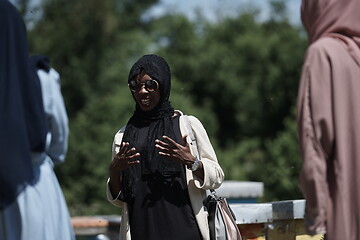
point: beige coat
(213, 177)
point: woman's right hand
(124, 158)
(121, 161)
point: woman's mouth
(145, 101)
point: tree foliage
(238, 75)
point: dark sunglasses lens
(151, 85)
(134, 85)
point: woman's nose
(143, 89)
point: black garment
(156, 189)
(161, 208)
(22, 118)
(160, 124)
(40, 62)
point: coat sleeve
(316, 136)
(213, 173)
(114, 150)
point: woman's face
(147, 100)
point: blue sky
(213, 8)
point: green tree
(282, 164)
(84, 37)
(246, 73)
(91, 44)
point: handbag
(222, 220)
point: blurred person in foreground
(328, 117)
(23, 126)
(155, 175)
(40, 210)
(54, 216)
(31, 202)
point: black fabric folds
(40, 62)
(22, 118)
(159, 121)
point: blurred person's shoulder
(326, 46)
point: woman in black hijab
(155, 176)
(22, 118)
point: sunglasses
(150, 85)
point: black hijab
(160, 123)
(22, 118)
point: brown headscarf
(336, 18)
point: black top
(161, 208)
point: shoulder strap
(189, 128)
(191, 133)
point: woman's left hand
(175, 151)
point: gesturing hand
(175, 151)
(123, 159)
